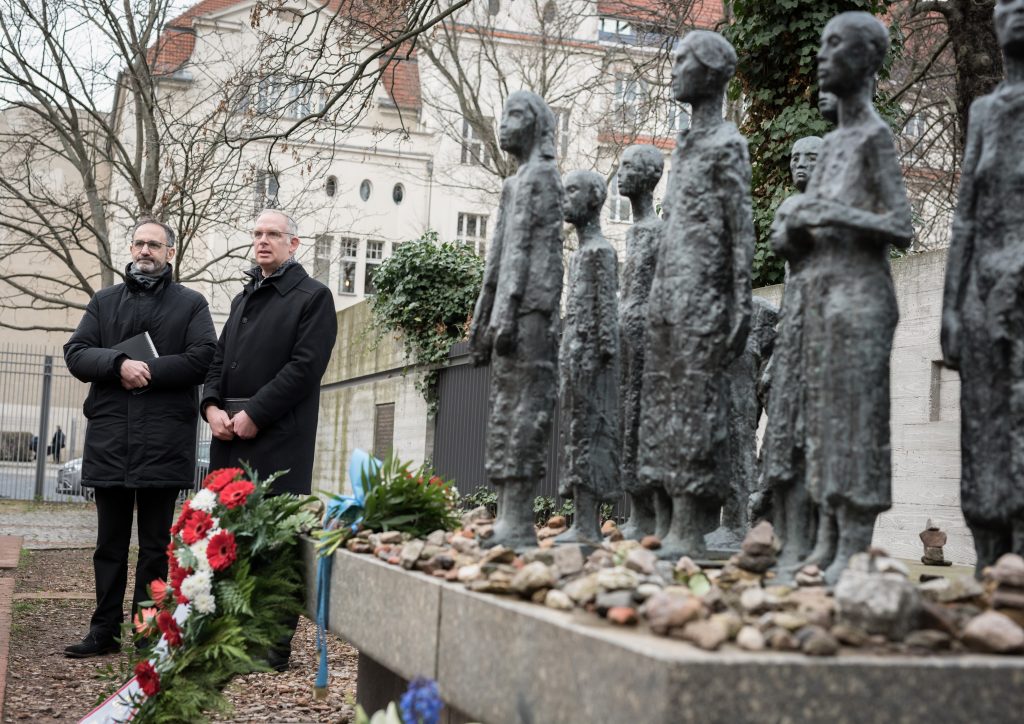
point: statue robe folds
(589, 367)
(642, 240)
(524, 268)
(988, 251)
(699, 308)
(849, 318)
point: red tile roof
(401, 77)
(401, 74)
(703, 13)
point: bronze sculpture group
(662, 385)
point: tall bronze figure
(855, 207)
(639, 172)
(699, 306)
(783, 475)
(983, 308)
(588, 363)
(516, 316)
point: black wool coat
(142, 439)
(274, 350)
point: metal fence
(42, 428)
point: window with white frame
(266, 191)
(615, 29)
(374, 256)
(561, 131)
(322, 250)
(288, 96)
(474, 151)
(349, 263)
(678, 118)
(628, 99)
(619, 208)
(472, 231)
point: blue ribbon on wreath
(342, 510)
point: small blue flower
(421, 703)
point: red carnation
(235, 494)
(149, 680)
(198, 525)
(182, 519)
(169, 628)
(218, 479)
(221, 551)
(158, 589)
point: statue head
(702, 64)
(585, 192)
(802, 159)
(828, 106)
(853, 48)
(527, 126)
(1009, 21)
(640, 169)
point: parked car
(69, 476)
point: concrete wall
(925, 417)
(361, 375)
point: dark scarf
(147, 282)
(256, 273)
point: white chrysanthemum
(204, 500)
(199, 551)
(205, 603)
(196, 585)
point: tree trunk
(979, 60)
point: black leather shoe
(92, 645)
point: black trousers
(116, 507)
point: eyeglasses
(269, 235)
(137, 244)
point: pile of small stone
(874, 605)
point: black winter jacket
(274, 350)
(146, 439)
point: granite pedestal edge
(503, 660)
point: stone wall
(925, 411)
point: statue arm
(479, 332)
(606, 312)
(734, 170)
(961, 244)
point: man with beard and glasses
(142, 410)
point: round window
(364, 189)
(494, 6)
(331, 186)
(398, 193)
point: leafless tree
(611, 89)
(108, 112)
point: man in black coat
(141, 438)
(262, 393)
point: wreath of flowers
(232, 582)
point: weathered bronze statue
(746, 403)
(589, 363)
(983, 308)
(699, 306)
(855, 207)
(639, 172)
(783, 488)
(516, 316)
